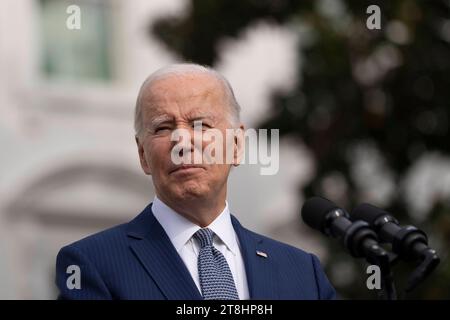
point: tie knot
(205, 236)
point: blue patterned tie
(216, 279)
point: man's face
(175, 102)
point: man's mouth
(186, 168)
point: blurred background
(363, 117)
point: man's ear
(239, 145)
(142, 159)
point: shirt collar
(180, 230)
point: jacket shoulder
(104, 241)
(303, 266)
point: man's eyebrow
(159, 120)
(202, 117)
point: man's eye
(204, 126)
(161, 129)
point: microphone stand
(377, 256)
(362, 241)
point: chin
(191, 191)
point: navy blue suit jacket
(136, 260)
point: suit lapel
(261, 271)
(154, 250)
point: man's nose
(186, 149)
(187, 146)
(193, 145)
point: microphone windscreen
(314, 211)
(368, 213)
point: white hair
(183, 69)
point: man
(186, 244)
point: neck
(201, 211)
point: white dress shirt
(180, 231)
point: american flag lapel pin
(261, 254)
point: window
(76, 55)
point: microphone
(408, 242)
(357, 237)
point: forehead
(185, 94)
